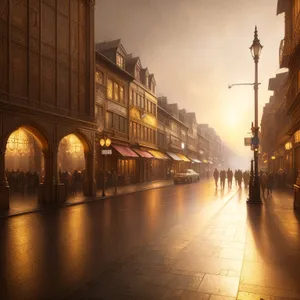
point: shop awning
(142, 153)
(183, 158)
(125, 151)
(174, 156)
(195, 160)
(158, 154)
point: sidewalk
(122, 190)
(237, 251)
(28, 205)
(271, 264)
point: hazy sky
(196, 48)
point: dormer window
(120, 60)
(137, 73)
(147, 81)
(152, 88)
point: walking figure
(270, 183)
(229, 178)
(216, 177)
(114, 178)
(263, 182)
(222, 178)
(236, 177)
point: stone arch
(35, 130)
(87, 145)
(26, 163)
(86, 174)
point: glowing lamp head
(256, 47)
(107, 142)
(102, 142)
(273, 157)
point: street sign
(106, 152)
(247, 141)
(255, 141)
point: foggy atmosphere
(149, 149)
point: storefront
(160, 165)
(179, 162)
(144, 166)
(288, 162)
(297, 155)
(195, 164)
(126, 164)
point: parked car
(187, 176)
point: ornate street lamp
(254, 190)
(104, 143)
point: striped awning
(142, 153)
(195, 160)
(158, 154)
(174, 156)
(125, 151)
(183, 158)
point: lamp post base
(254, 192)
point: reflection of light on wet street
(160, 233)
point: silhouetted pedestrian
(216, 177)
(270, 183)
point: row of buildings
(60, 94)
(164, 138)
(280, 124)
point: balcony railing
(293, 93)
(285, 50)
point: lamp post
(182, 148)
(254, 196)
(104, 143)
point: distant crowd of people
(239, 176)
(73, 182)
(111, 179)
(23, 182)
(266, 182)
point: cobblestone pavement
(180, 242)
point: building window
(121, 94)
(109, 90)
(146, 81)
(120, 60)
(134, 129)
(99, 77)
(98, 111)
(138, 131)
(143, 102)
(297, 136)
(153, 87)
(116, 91)
(132, 96)
(137, 73)
(109, 120)
(160, 139)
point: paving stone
(189, 295)
(219, 285)
(185, 282)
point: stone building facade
(46, 84)
(290, 58)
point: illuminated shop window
(297, 136)
(109, 91)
